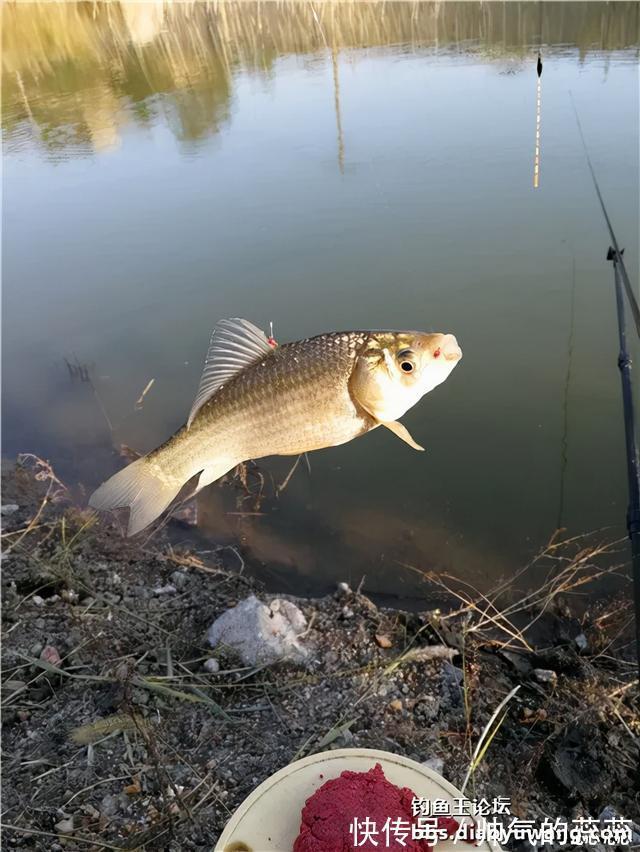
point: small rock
(545, 676)
(383, 640)
(70, 596)
(344, 587)
(50, 655)
(37, 600)
(347, 612)
(395, 705)
(519, 661)
(179, 579)
(581, 642)
(65, 826)
(261, 634)
(9, 509)
(90, 811)
(169, 589)
(211, 665)
(434, 763)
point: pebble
(37, 600)
(212, 665)
(545, 676)
(581, 642)
(395, 705)
(347, 612)
(91, 811)
(70, 596)
(179, 579)
(344, 587)
(9, 508)
(65, 826)
(51, 655)
(169, 589)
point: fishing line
(633, 302)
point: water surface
(336, 166)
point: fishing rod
(622, 286)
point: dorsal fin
(235, 344)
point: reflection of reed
(336, 98)
(188, 51)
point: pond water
(327, 167)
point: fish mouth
(450, 348)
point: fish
(257, 398)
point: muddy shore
(124, 729)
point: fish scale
(300, 392)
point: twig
(280, 488)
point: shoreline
(124, 728)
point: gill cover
(378, 385)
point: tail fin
(138, 487)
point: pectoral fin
(403, 433)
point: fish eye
(404, 356)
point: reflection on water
(327, 166)
(78, 72)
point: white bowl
(269, 818)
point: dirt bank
(118, 732)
